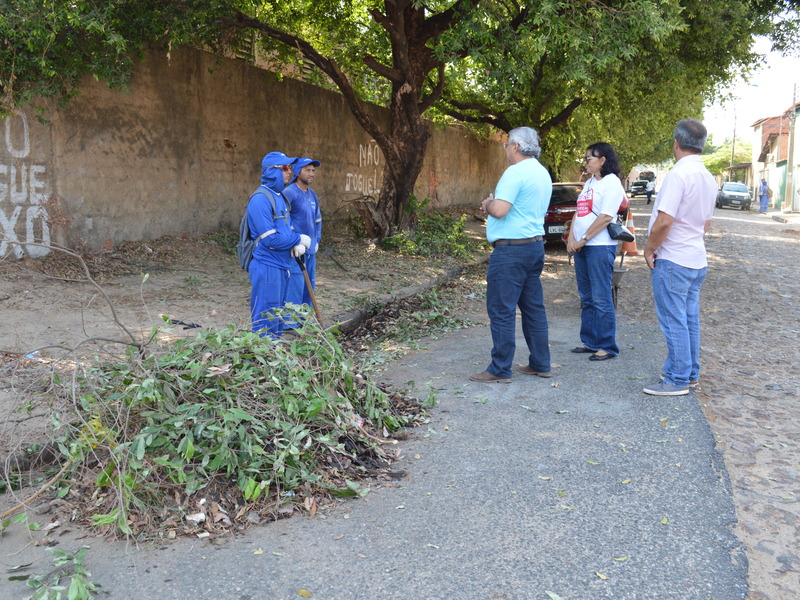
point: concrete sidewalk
(792, 218)
(579, 485)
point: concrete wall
(181, 153)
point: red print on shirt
(585, 202)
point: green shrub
(225, 239)
(436, 235)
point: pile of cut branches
(221, 430)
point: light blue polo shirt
(527, 187)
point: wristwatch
(583, 238)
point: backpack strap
(269, 195)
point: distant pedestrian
(676, 254)
(594, 251)
(515, 227)
(650, 188)
(269, 220)
(764, 194)
(306, 219)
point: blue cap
(276, 159)
(302, 162)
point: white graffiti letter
(362, 154)
(26, 139)
(9, 235)
(36, 186)
(4, 186)
(18, 184)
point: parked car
(563, 204)
(638, 187)
(734, 195)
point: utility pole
(791, 203)
(733, 146)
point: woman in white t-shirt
(594, 251)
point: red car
(563, 204)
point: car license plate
(734, 201)
(556, 229)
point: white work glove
(316, 248)
(305, 240)
(298, 250)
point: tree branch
(562, 117)
(326, 65)
(442, 21)
(382, 70)
(436, 93)
(486, 117)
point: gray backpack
(247, 244)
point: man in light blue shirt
(515, 228)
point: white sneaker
(662, 388)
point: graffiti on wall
(23, 192)
(365, 181)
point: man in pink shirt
(676, 254)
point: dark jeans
(594, 268)
(513, 280)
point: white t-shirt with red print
(598, 197)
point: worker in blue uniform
(306, 219)
(269, 218)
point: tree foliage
(622, 70)
(642, 67)
(718, 159)
(46, 47)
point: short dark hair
(691, 135)
(606, 150)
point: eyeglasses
(588, 158)
(507, 144)
(282, 167)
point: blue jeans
(676, 291)
(269, 292)
(513, 280)
(594, 269)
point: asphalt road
(579, 485)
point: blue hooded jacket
(274, 249)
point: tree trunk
(404, 153)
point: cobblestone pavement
(750, 381)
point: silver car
(734, 195)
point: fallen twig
(44, 488)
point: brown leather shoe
(486, 377)
(528, 371)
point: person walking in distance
(515, 226)
(763, 192)
(676, 254)
(306, 219)
(269, 221)
(650, 188)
